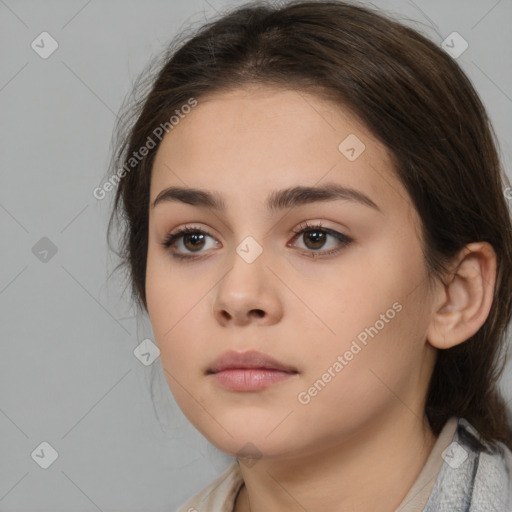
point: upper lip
(250, 359)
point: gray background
(68, 374)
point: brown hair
(412, 96)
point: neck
(372, 470)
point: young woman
(314, 217)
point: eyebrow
(277, 200)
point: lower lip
(249, 379)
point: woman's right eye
(189, 238)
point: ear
(462, 305)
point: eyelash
(344, 240)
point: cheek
(169, 295)
(375, 309)
(166, 298)
(176, 306)
(363, 373)
(353, 297)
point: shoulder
(219, 495)
(493, 479)
(474, 476)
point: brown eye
(185, 242)
(314, 239)
(193, 241)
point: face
(332, 286)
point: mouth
(250, 379)
(248, 360)
(249, 371)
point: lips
(246, 360)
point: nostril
(226, 315)
(258, 312)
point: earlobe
(463, 304)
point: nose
(247, 293)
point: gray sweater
(473, 478)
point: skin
(361, 442)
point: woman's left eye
(314, 237)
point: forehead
(251, 141)
(262, 117)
